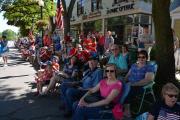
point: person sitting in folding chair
(167, 108)
(110, 90)
(139, 75)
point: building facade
(125, 18)
(175, 16)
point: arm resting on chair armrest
(149, 76)
(149, 85)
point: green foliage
(98, 25)
(25, 13)
(10, 35)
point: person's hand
(80, 88)
(82, 103)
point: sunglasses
(171, 95)
(143, 57)
(111, 71)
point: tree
(22, 13)
(67, 14)
(164, 42)
(10, 35)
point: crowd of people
(94, 65)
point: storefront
(124, 18)
(175, 15)
(92, 26)
(127, 28)
(76, 30)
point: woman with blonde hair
(167, 108)
(110, 90)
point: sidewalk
(17, 100)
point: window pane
(144, 19)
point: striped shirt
(161, 111)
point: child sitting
(43, 77)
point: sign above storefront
(92, 15)
(121, 8)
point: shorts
(4, 54)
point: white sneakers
(5, 65)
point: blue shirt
(137, 74)
(3, 46)
(92, 78)
(69, 70)
(56, 41)
(120, 61)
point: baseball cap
(93, 56)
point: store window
(80, 7)
(96, 5)
(144, 19)
(129, 27)
(176, 27)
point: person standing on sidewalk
(4, 50)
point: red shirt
(67, 39)
(101, 40)
(45, 54)
(89, 44)
(47, 40)
(72, 52)
(83, 56)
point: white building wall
(140, 6)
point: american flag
(59, 16)
(164, 115)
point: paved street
(17, 100)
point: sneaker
(5, 65)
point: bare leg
(40, 87)
(52, 83)
(37, 87)
(5, 59)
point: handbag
(118, 112)
(94, 97)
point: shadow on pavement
(7, 77)
(28, 106)
(18, 103)
(31, 84)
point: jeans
(84, 113)
(70, 94)
(63, 88)
(133, 92)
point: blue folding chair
(148, 89)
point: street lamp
(41, 4)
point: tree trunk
(66, 19)
(164, 42)
(53, 25)
(67, 15)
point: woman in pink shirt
(110, 91)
